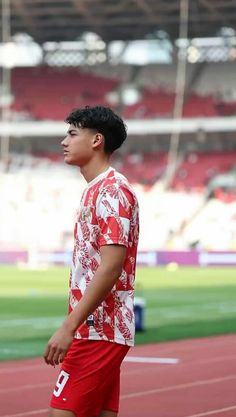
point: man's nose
(64, 142)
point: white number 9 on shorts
(61, 382)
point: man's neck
(91, 171)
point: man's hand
(57, 346)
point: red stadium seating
(49, 94)
(198, 168)
(144, 168)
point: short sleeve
(114, 214)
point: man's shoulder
(116, 181)
(120, 190)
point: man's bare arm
(112, 259)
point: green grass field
(188, 302)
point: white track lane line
(213, 412)
(13, 369)
(25, 387)
(142, 393)
(136, 394)
(179, 387)
(148, 359)
(140, 359)
(28, 413)
(205, 414)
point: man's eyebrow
(71, 130)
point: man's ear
(98, 140)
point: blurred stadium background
(169, 68)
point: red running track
(202, 383)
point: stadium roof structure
(67, 20)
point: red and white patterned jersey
(108, 215)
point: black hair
(104, 121)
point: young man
(97, 334)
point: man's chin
(68, 160)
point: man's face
(78, 145)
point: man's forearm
(110, 269)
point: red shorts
(89, 381)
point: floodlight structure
(179, 93)
(6, 79)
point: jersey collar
(99, 177)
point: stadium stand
(197, 169)
(202, 191)
(142, 168)
(46, 208)
(44, 93)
